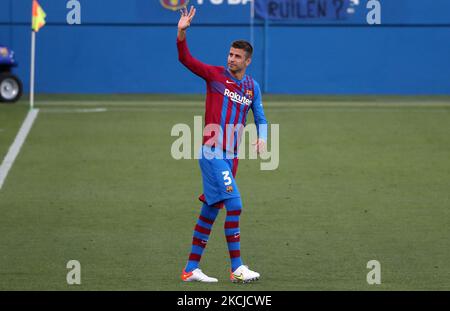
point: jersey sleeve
(258, 113)
(200, 69)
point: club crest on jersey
(174, 4)
(229, 189)
(249, 94)
(235, 97)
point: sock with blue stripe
(208, 215)
(232, 231)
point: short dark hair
(243, 45)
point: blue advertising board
(129, 46)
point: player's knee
(234, 204)
(209, 211)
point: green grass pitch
(359, 179)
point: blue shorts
(218, 173)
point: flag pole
(33, 49)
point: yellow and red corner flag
(39, 15)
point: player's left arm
(260, 120)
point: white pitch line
(14, 150)
(73, 110)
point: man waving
(230, 95)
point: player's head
(240, 56)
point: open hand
(260, 145)
(186, 18)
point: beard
(234, 68)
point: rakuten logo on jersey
(237, 98)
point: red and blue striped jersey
(228, 101)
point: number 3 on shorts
(226, 178)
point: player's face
(238, 60)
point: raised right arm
(184, 56)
